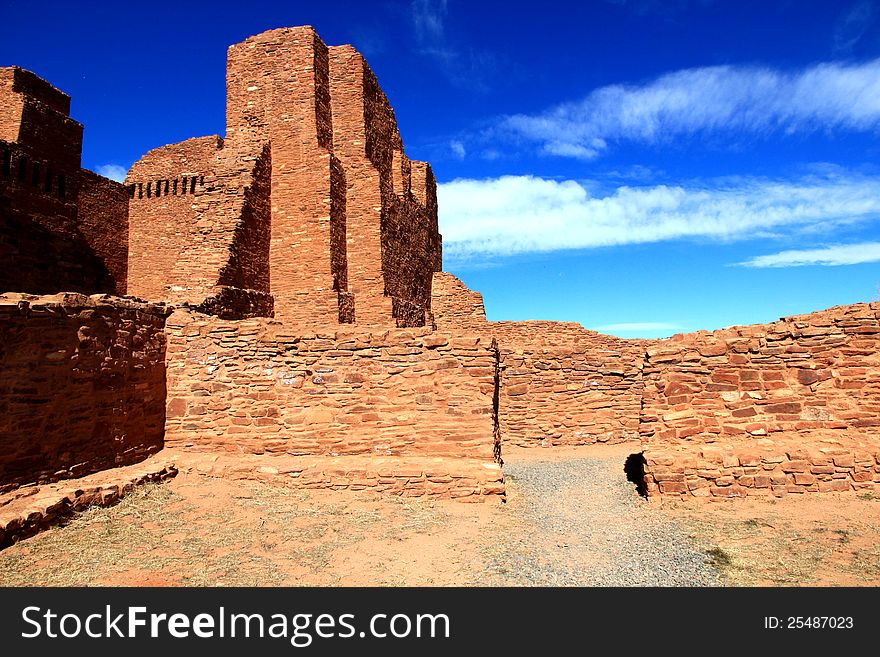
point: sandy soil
(197, 531)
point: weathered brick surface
(82, 385)
(816, 371)
(564, 385)
(28, 511)
(45, 246)
(393, 241)
(102, 218)
(805, 462)
(278, 92)
(454, 306)
(257, 386)
(791, 406)
(464, 479)
(200, 227)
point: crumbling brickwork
(82, 385)
(200, 224)
(102, 219)
(48, 242)
(351, 223)
(564, 385)
(259, 387)
(456, 307)
(791, 406)
(817, 371)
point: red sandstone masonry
(82, 385)
(564, 385)
(816, 371)
(805, 462)
(278, 92)
(787, 407)
(393, 241)
(47, 242)
(102, 217)
(454, 306)
(200, 223)
(258, 386)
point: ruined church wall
(278, 91)
(82, 385)
(787, 407)
(102, 218)
(456, 307)
(564, 385)
(815, 371)
(163, 186)
(393, 241)
(259, 386)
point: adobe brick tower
(309, 208)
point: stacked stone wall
(82, 385)
(259, 386)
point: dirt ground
(201, 531)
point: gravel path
(579, 522)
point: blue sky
(641, 167)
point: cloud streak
(636, 327)
(755, 101)
(112, 171)
(524, 214)
(832, 256)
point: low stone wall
(254, 386)
(816, 371)
(804, 463)
(564, 385)
(787, 407)
(82, 385)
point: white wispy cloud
(522, 214)
(848, 254)
(428, 18)
(112, 171)
(853, 24)
(738, 100)
(457, 149)
(636, 327)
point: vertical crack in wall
(496, 399)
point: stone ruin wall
(564, 385)
(559, 384)
(354, 234)
(200, 227)
(259, 386)
(309, 210)
(82, 385)
(102, 219)
(278, 91)
(787, 407)
(53, 233)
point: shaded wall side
(41, 249)
(411, 247)
(94, 368)
(360, 142)
(257, 386)
(102, 217)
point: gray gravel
(579, 522)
